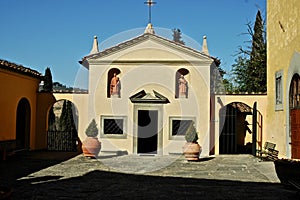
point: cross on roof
(150, 3)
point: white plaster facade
(148, 63)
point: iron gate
(62, 141)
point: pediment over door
(143, 97)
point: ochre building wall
(283, 47)
(14, 87)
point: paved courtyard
(57, 175)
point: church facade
(146, 91)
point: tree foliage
(66, 120)
(70, 124)
(250, 67)
(48, 83)
(219, 84)
(63, 117)
(51, 120)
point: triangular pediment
(143, 97)
(149, 48)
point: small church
(145, 92)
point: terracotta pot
(192, 151)
(91, 147)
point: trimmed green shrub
(191, 134)
(92, 130)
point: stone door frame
(156, 107)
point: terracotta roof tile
(4, 64)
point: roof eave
(140, 38)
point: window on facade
(181, 83)
(179, 125)
(113, 126)
(278, 90)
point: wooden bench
(7, 147)
(269, 146)
(272, 155)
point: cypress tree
(51, 120)
(257, 38)
(250, 68)
(258, 57)
(70, 123)
(48, 83)
(63, 117)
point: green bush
(191, 134)
(92, 130)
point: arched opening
(294, 104)
(235, 136)
(113, 89)
(63, 126)
(23, 124)
(181, 85)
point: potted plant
(191, 149)
(91, 145)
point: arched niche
(181, 72)
(110, 75)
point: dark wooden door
(147, 131)
(295, 133)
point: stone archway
(63, 127)
(234, 129)
(23, 124)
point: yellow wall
(44, 103)
(14, 87)
(283, 47)
(223, 100)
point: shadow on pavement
(25, 163)
(99, 184)
(108, 185)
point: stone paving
(43, 176)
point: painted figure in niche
(183, 86)
(115, 86)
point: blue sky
(58, 33)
